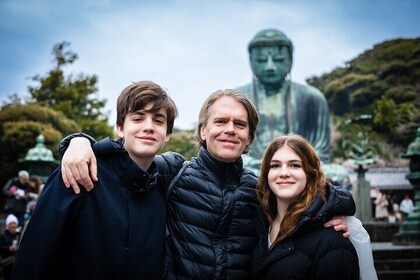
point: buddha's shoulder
(306, 90)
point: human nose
(148, 125)
(230, 128)
(284, 171)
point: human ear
(249, 141)
(203, 133)
(168, 136)
(120, 131)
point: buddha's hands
(78, 165)
(340, 224)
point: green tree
(348, 132)
(390, 117)
(75, 97)
(19, 127)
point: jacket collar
(338, 202)
(133, 177)
(217, 166)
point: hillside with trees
(383, 86)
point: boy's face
(144, 134)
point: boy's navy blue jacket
(116, 231)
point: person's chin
(149, 150)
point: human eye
(219, 121)
(296, 165)
(274, 165)
(241, 125)
(160, 121)
(159, 118)
(137, 118)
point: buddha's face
(271, 64)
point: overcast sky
(190, 47)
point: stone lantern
(362, 155)
(40, 160)
(409, 232)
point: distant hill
(383, 82)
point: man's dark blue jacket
(116, 231)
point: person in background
(118, 230)
(374, 191)
(406, 206)
(390, 208)
(32, 194)
(15, 190)
(9, 245)
(347, 184)
(381, 209)
(296, 201)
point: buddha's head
(271, 56)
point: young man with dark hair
(118, 230)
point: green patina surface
(284, 106)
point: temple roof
(386, 178)
(40, 152)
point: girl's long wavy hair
(314, 177)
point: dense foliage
(383, 82)
(182, 142)
(20, 124)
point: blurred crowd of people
(21, 195)
(387, 209)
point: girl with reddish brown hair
(296, 201)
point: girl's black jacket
(311, 251)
